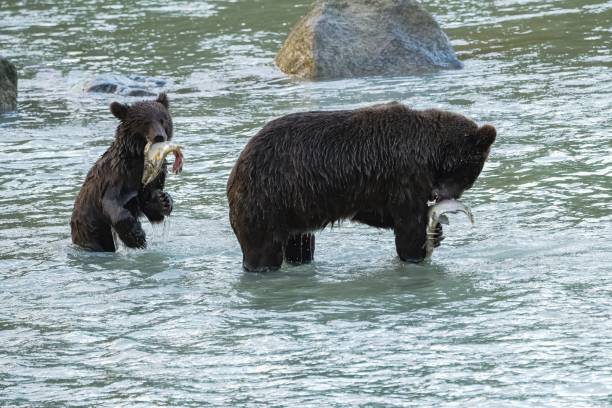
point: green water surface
(516, 311)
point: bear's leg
(98, 240)
(410, 233)
(299, 249)
(107, 243)
(126, 225)
(130, 232)
(410, 245)
(262, 255)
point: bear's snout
(157, 133)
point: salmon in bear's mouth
(437, 214)
(155, 157)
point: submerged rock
(8, 85)
(352, 38)
(132, 85)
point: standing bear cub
(113, 196)
(378, 165)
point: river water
(515, 311)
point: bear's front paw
(131, 233)
(166, 203)
(138, 238)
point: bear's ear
(119, 110)
(163, 99)
(485, 136)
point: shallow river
(516, 311)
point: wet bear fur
(378, 165)
(112, 196)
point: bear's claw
(166, 202)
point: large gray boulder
(353, 38)
(8, 85)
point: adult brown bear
(378, 165)
(113, 196)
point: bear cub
(112, 196)
(378, 165)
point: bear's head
(143, 122)
(463, 150)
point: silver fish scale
(155, 155)
(437, 214)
